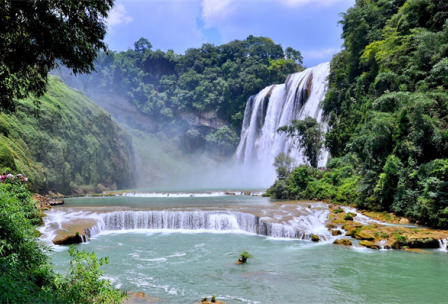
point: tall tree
(36, 36)
(307, 135)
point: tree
(307, 135)
(293, 54)
(284, 165)
(142, 45)
(38, 36)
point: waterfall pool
(184, 265)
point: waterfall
(275, 106)
(300, 228)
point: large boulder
(368, 244)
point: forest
(165, 85)
(387, 107)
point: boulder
(229, 193)
(247, 193)
(404, 221)
(368, 244)
(315, 238)
(68, 240)
(343, 242)
(365, 235)
(336, 232)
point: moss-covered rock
(315, 238)
(336, 232)
(343, 242)
(369, 244)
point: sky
(309, 26)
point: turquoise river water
(186, 262)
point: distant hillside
(73, 147)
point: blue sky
(306, 25)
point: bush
(26, 275)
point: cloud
(215, 12)
(296, 3)
(118, 15)
(320, 54)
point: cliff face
(73, 147)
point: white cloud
(296, 3)
(118, 15)
(215, 11)
(320, 54)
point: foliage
(209, 79)
(37, 36)
(245, 255)
(26, 275)
(307, 135)
(387, 113)
(283, 164)
(73, 147)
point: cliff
(72, 146)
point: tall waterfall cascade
(275, 106)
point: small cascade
(299, 228)
(275, 106)
(442, 244)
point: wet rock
(404, 221)
(247, 193)
(336, 232)
(315, 238)
(369, 244)
(229, 193)
(365, 235)
(343, 242)
(68, 240)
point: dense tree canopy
(387, 109)
(221, 78)
(37, 36)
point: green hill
(73, 147)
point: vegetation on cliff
(387, 109)
(26, 274)
(166, 86)
(73, 147)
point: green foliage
(307, 136)
(73, 146)
(219, 79)
(38, 36)
(386, 107)
(283, 164)
(348, 217)
(213, 299)
(245, 255)
(26, 275)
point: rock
(331, 226)
(365, 235)
(343, 242)
(368, 244)
(229, 193)
(247, 193)
(68, 240)
(309, 206)
(348, 217)
(336, 232)
(404, 221)
(315, 238)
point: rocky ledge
(377, 236)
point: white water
(301, 227)
(186, 194)
(275, 106)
